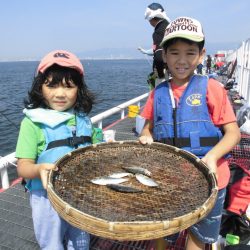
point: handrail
(242, 70)
(120, 108)
(10, 159)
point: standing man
(157, 17)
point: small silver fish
(145, 180)
(124, 189)
(137, 170)
(120, 175)
(104, 180)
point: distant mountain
(124, 53)
(133, 53)
(112, 53)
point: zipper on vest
(175, 125)
(74, 136)
(74, 132)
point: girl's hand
(145, 139)
(44, 169)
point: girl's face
(61, 96)
(182, 59)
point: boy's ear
(164, 55)
(202, 55)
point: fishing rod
(149, 62)
(6, 117)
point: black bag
(232, 223)
(237, 247)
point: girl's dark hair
(85, 98)
(177, 39)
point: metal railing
(10, 159)
(242, 71)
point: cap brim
(191, 38)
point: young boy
(189, 112)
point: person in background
(56, 122)
(158, 18)
(189, 112)
(208, 64)
(199, 68)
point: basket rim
(199, 213)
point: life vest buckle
(73, 142)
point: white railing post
(122, 113)
(5, 162)
(100, 124)
(5, 178)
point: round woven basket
(187, 190)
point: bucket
(133, 110)
(109, 135)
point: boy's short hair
(184, 27)
(175, 40)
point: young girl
(56, 122)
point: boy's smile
(182, 59)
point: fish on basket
(147, 181)
(105, 180)
(137, 170)
(124, 189)
(120, 175)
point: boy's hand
(212, 164)
(44, 169)
(144, 139)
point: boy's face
(182, 59)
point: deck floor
(125, 129)
(16, 228)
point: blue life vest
(188, 126)
(60, 140)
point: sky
(29, 29)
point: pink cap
(62, 58)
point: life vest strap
(71, 141)
(185, 142)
